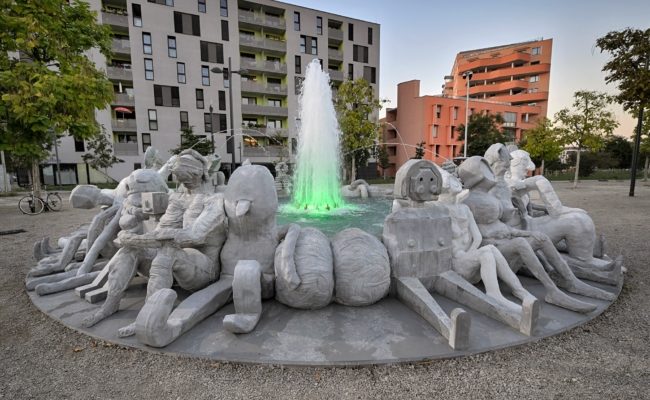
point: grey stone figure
(247, 273)
(518, 246)
(571, 229)
(283, 182)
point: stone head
(521, 163)
(190, 168)
(450, 184)
(251, 192)
(475, 171)
(145, 180)
(498, 157)
(418, 180)
(89, 196)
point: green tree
(383, 159)
(191, 141)
(100, 153)
(543, 142)
(355, 103)
(419, 151)
(46, 80)
(587, 124)
(629, 68)
(482, 132)
(619, 149)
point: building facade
(510, 80)
(161, 68)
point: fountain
(316, 181)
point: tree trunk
(36, 178)
(637, 146)
(353, 171)
(541, 169)
(645, 169)
(575, 179)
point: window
(153, 120)
(205, 75)
(360, 53)
(369, 35)
(303, 44)
(166, 96)
(202, 7)
(314, 47)
(350, 32)
(296, 21)
(207, 122)
(126, 138)
(249, 100)
(224, 8)
(146, 43)
(275, 102)
(146, 141)
(434, 131)
(509, 119)
(222, 99)
(455, 113)
(200, 104)
(163, 2)
(536, 51)
(223, 123)
(436, 150)
(351, 72)
(148, 69)
(180, 72)
(185, 121)
(534, 62)
(319, 25)
(171, 46)
(534, 78)
(225, 33)
(298, 65)
(211, 52)
(452, 134)
(249, 122)
(79, 146)
(308, 45)
(370, 74)
(525, 117)
(187, 23)
(438, 110)
(274, 123)
(137, 14)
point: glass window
(275, 102)
(188, 24)
(438, 111)
(153, 120)
(319, 25)
(148, 69)
(137, 14)
(146, 43)
(303, 44)
(207, 122)
(202, 7)
(225, 33)
(369, 35)
(166, 96)
(199, 99)
(434, 131)
(146, 141)
(296, 21)
(534, 78)
(79, 146)
(350, 32)
(222, 99)
(205, 75)
(351, 72)
(298, 65)
(212, 52)
(314, 46)
(171, 46)
(224, 8)
(455, 113)
(185, 121)
(536, 51)
(180, 72)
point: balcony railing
(121, 46)
(264, 66)
(125, 149)
(266, 151)
(266, 132)
(334, 54)
(335, 75)
(254, 87)
(262, 43)
(123, 125)
(118, 20)
(119, 73)
(256, 109)
(335, 33)
(123, 99)
(267, 21)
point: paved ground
(606, 358)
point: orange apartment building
(510, 80)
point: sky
(420, 39)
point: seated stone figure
(471, 260)
(571, 229)
(519, 246)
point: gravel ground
(606, 358)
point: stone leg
(67, 284)
(603, 271)
(156, 327)
(247, 296)
(122, 268)
(58, 263)
(455, 328)
(453, 286)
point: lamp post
(211, 127)
(467, 75)
(227, 76)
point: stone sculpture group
(449, 230)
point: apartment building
(161, 68)
(511, 80)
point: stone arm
(287, 266)
(173, 216)
(108, 233)
(99, 223)
(477, 238)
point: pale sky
(420, 39)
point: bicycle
(33, 205)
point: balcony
(335, 75)
(248, 19)
(119, 21)
(333, 54)
(266, 151)
(271, 111)
(335, 35)
(499, 87)
(254, 87)
(496, 61)
(267, 132)
(123, 125)
(123, 99)
(125, 149)
(523, 98)
(516, 71)
(272, 67)
(121, 46)
(258, 43)
(120, 73)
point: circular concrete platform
(386, 332)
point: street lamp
(227, 75)
(467, 75)
(211, 127)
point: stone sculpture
(282, 179)
(519, 246)
(571, 229)
(247, 273)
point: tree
(191, 141)
(629, 67)
(46, 80)
(100, 153)
(383, 159)
(644, 147)
(419, 151)
(543, 142)
(619, 149)
(587, 124)
(355, 103)
(482, 132)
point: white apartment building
(163, 54)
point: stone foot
(106, 310)
(247, 296)
(127, 331)
(560, 299)
(529, 315)
(609, 277)
(151, 326)
(578, 287)
(241, 323)
(459, 332)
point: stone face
(361, 268)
